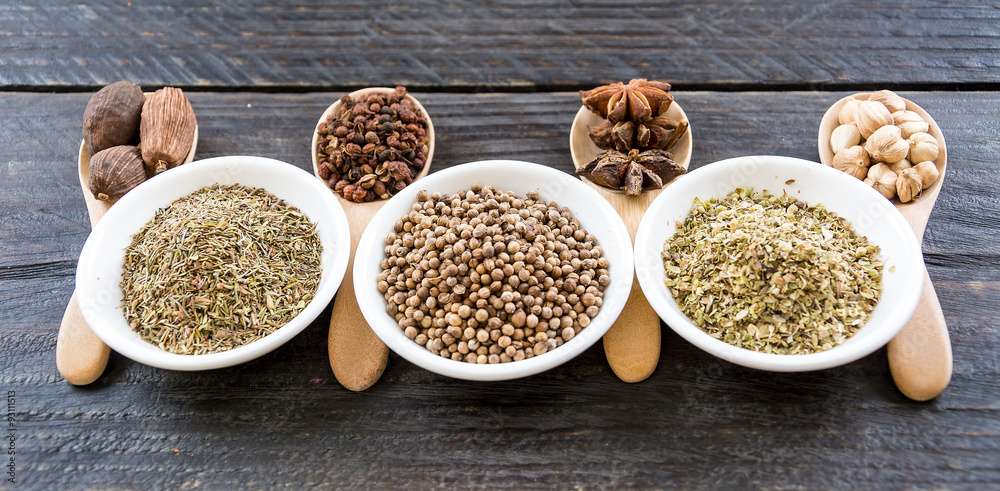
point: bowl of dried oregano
(213, 263)
(778, 263)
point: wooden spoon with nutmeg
(80, 355)
(632, 345)
(357, 356)
(920, 355)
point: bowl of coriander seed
(778, 263)
(493, 270)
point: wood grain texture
(697, 422)
(507, 45)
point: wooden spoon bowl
(583, 150)
(920, 355)
(357, 356)
(927, 197)
(632, 345)
(80, 355)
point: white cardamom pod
(875, 172)
(853, 160)
(923, 147)
(871, 115)
(887, 185)
(908, 185)
(889, 99)
(883, 180)
(928, 173)
(844, 136)
(887, 145)
(899, 166)
(910, 122)
(848, 111)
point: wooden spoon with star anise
(647, 144)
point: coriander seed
(505, 276)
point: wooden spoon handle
(80, 355)
(357, 356)
(920, 355)
(632, 345)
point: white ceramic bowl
(869, 213)
(593, 212)
(99, 270)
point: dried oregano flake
(772, 274)
(219, 268)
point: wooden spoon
(80, 355)
(357, 356)
(920, 355)
(632, 345)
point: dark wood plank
(509, 45)
(282, 420)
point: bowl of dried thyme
(214, 263)
(493, 270)
(778, 263)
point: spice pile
(485, 276)
(771, 274)
(636, 136)
(131, 137)
(886, 145)
(374, 147)
(219, 268)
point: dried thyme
(771, 274)
(218, 269)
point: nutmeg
(115, 171)
(112, 116)
(167, 129)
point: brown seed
(167, 129)
(568, 333)
(505, 291)
(115, 171)
(112, 116)
(540, 348)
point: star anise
(659, 133)
(634, 172)
(641, 99)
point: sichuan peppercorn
(374, 146)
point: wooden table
(500, 80)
